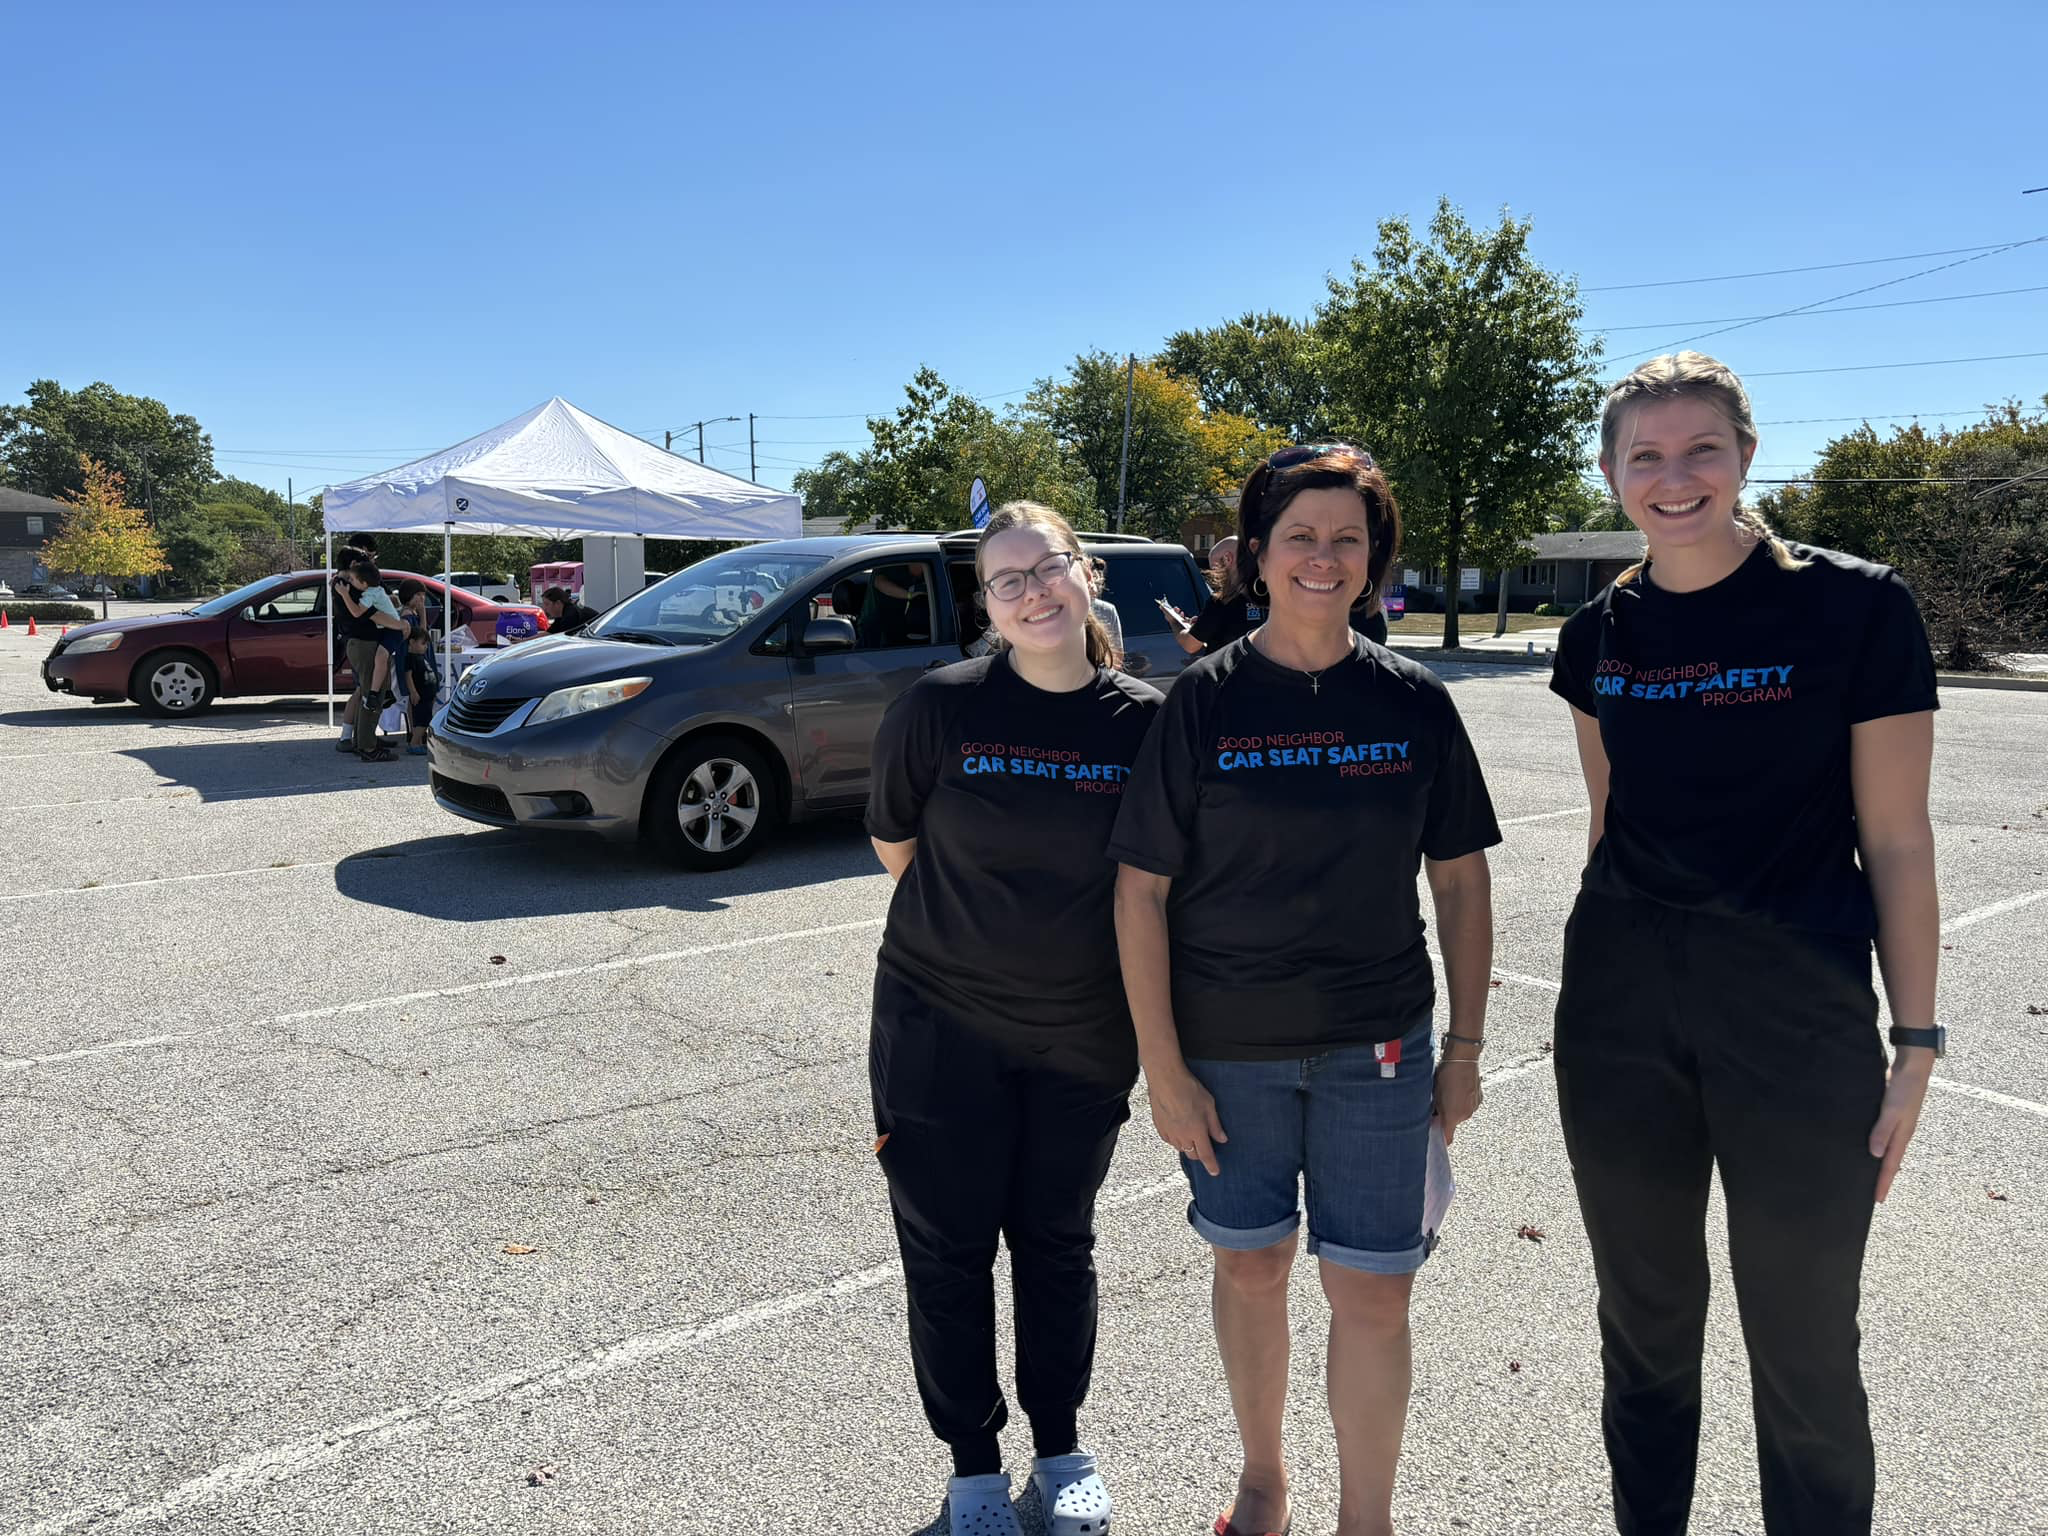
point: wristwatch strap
(1935, 1039)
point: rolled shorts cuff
(1242, 1239)
(1402, 1261)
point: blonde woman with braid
(1755, 720)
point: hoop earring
(1259, 587)
(1366, 595)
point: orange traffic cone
(3, 618)
(31, 626)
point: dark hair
(1267, 492)
(409, 589)
(418, 635)
(365, 569)
(1102, 649)
(366, 542)
(557, 595)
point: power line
(1815, 421)
(1829, 266)
(1890, 282)
(1846, 309)
(1932, 362)
(871, 415)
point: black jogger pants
(983, 1135)
(1687, 1042)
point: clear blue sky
(342, 236)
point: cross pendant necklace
(1315, 680)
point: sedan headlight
(91, 643)
(564, 702)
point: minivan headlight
(564, 702)
(91, 643)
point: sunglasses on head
(1303, 453)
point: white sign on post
(1411, 578)
(1468, 579)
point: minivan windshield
(709, 600)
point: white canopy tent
(554, 472)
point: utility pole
(753, 467)
(291, 517)
(668, 442)
(1123, 463)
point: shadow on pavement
(238, 770)
(227, 716)
(486, 876)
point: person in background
(359, 546)
(1103, 609)
(1232, 613)
(370, 607)
(1755, 721)
(566, 616)
(1001, 1057)
(422, 685)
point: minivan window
(1134, 584)
(888, 604)
(709, 600)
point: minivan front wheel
(712, 805)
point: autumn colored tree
(103, 536)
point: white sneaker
(1072, 1494)
(980, 1506)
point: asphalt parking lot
(367, 1171)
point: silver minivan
(744, 691)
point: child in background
(422, 686)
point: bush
(48, 613)
(1557, 610)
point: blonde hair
(1693, 375)
(1012, 515)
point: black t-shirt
(1224, 619)
(1725, 714)
(348, 626)
(1004, 916)
(1293, 818)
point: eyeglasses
(1303, 453)
(1008, 586)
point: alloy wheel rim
(719, 805)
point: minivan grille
(480, 717)
(481, 798)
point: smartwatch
(1935, 1039)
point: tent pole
(615, 568)
(328, 604)
(447, 611)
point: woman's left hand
(1905, 1090)
(1458, 1094)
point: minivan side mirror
(831, 633)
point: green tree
(1459, 362)
(200, 552)
(1263, 366)
(164, 457)
(103, 536)
(1864, 487)
(1170, 473)
(922, 461)
(1583, 505)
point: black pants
(984, 1137)
(1685, 1043)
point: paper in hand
(1437, 1184)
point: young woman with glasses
(1001, 1055)
(1273, 953)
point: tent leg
(447, 611)
(328, 605)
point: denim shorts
(1358, 1140)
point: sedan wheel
(175, 684)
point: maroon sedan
(268, 638)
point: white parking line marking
(469, 989)
(207, 797)
(1522, 821)
(219, 874)
(1996, 909)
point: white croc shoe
(980, 1506)
(1072, 1494)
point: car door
(278, 643)
(902, 628)
(1136, 578)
